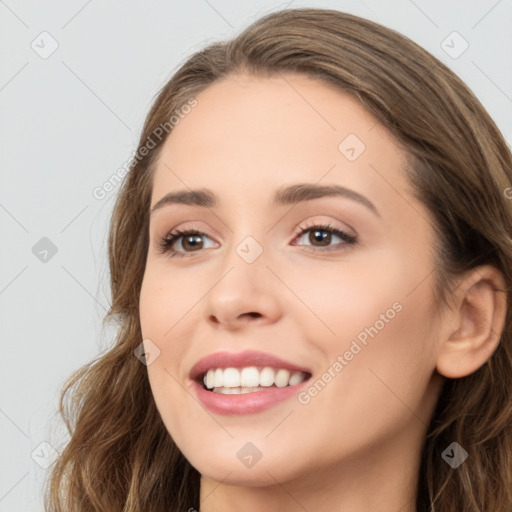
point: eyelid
(186, 226)
(327, 224)
(309, 223)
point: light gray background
(70, 121)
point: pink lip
(248, 403)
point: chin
(229, 469)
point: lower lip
(247, 403)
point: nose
(242, 294)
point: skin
(357, 443)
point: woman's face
(358, 316)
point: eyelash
(167, 241)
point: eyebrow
(284, 196)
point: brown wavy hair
(120, 457)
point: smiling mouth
(251, 379)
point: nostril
(252, 314)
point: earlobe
(479, 317)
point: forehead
(249, 133)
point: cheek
(159, 310)
(378, 364)
(160, 313)
(163, 301)
(342, 299)
(371, 326)
(391, 373)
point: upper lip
(241, 360)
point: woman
(261, 364)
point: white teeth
(218, 377)
(295, 378)
(282, 378)
(236, 391)
(231, 378)
(210, 380)
(267, 377)
(249, 379)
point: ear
(476, 323)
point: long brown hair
(120, 457)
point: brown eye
(322, 235)
(190, 241)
